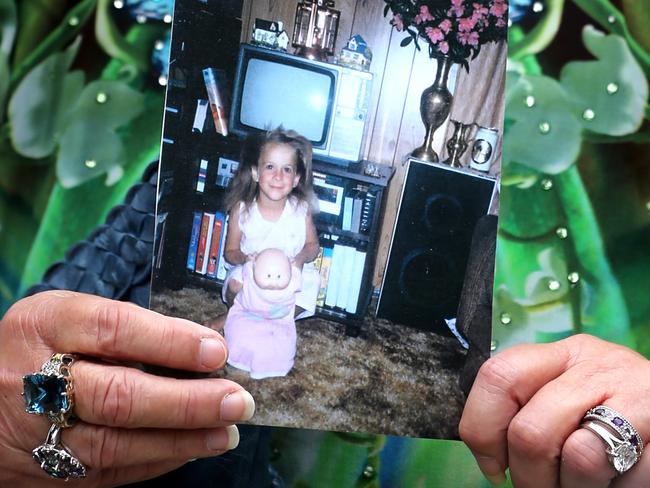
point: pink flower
(499, 8)
(457, 8)
(470, 38)
(424, 15)
(479, 13)
(434, 34)
(500, 23)
(397, 22)
(445, 26)
(479, 10)
(466, 24)
(443, 47)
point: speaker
(438, 210)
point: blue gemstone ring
(50, 391)
(624, 444)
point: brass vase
(435, 105)
(458, 142)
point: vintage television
(326, 103)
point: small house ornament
(356, 54)
(270, 34)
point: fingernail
(223, 439)
(213, 353)
(498, 479)
(236, 406)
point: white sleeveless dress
(287, 234)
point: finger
(106, 447)
(503, 384)
(74, 322)
(538, 433)
(125, 397)
(584, 463)
(637, 476)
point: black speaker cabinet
(438, 210)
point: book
(368, 210)
(356, 278)
(200, 115)
(319, 259)
(334, 279)
(221, 263)
(325, 265)
(356, 210)
(348, 203)
(194, 241)
(347, 260)
(213, 78)
(203, 171)
(204, 243)
(215, 244)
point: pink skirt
(263, 347)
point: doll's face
(272, 270)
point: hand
(526, 405)
(251, 257)
(132, 425)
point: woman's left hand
(525, 409)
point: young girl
(269, 206)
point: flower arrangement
(453, 28)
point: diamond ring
(56, 459)
(624, 444)
(50, 391)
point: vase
(435, 104)
(458, 142)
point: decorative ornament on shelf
(458, 142)
(355, 54)
(270, 34)
(315, 29)
(454, 30)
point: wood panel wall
(400, 75)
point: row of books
(207, 242)
(358, 208)
(341, 274)
(340, 265)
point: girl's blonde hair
(243, 188)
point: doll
(260, 327)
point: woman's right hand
(132, 425)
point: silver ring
(50, 391)
(56, 459)
(624, 444)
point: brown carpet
(390, 379)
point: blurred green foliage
(74, 134)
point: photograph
(328, 201)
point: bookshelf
(348, 242)
(364, 182)
(193, 179)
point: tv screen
(293, 95)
